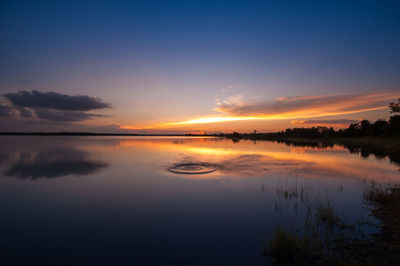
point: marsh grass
(327, 239)
(291, 248)
(317, 243)
(324, 235)
(383, 247)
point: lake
(71, 200)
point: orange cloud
(311, 106)
(235, 109)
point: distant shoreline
(97, 134)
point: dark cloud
(55, 101)
(50, 106)
(25, 112)
(64, 116)
(5, 110)
(53, 163)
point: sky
(196, 66)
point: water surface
(112, 201)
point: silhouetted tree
(395, 119)
(365, 127)
(395, 107)
(380, 127)
(395, 123)
(354, 130)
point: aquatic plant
(329, 240)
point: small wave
(193, 168)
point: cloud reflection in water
(53, 163)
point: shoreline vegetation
(329, 240)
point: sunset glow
(305, 114)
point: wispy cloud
(312, 106)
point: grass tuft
(328, 240)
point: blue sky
(165, 61)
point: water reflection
(129, 206)
(257, 164)
(365, 150)
(52, 163)
(249, 165)
(244, 159)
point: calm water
(112, 201)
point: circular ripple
(193, 168)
